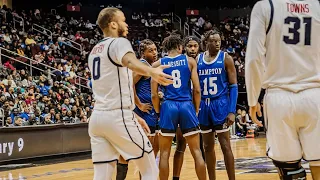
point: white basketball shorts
(293, 124)
(115, 133)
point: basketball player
(177, 108)
(219, 93)
(113, 129)
(144, 108)
(283, 57)
(191, 44)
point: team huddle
(131, 121)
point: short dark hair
(172, 42)
(143, 45)
(191, 38)
(105, 17)
(210, 33)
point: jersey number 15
(294, 31)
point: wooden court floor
(250, 160)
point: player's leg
(165, 149)
(104, 155)
(155, 144)
(194, 146)
(179, 154)
(168, 125)
(209, 152)
(283, 142)
(224, 139)
(309, 133)
(208, 138)
(122, 169)
(189, 125)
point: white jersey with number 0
(283, 47)
(111, 83)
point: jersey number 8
(176, 78)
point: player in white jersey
(283, 57)
(113, 128)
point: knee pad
(290, 170)
(314, 163)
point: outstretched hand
(160, 77)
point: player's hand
(253, 111)
(144, 125)
(145, 107)
(160, 77)
(230, 119)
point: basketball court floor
(250, 159)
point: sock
(175, 178)
(122, 170)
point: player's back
(292, 44)
(180, 90)
(111, 84)
(213, 76)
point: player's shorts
(150, 118)
(115, 133)
(213, 114)
(293, 124)
(174, 113)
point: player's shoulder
(263, 5)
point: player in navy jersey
(177, 107)
(192, 49)
(219, 93)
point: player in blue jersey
(219, 93)
(192, 48)
(177, 107)
(142, 98)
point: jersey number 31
(294, 37)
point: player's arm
(255, 55)
(121, 53)
(195, 83)
(154, 91)
(256, 51)
(233, 84)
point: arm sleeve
(256, 50)
(118, 48)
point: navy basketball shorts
(178, 113)
(150, 118)
(213, 114)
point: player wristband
(233, 95)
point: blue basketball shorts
(213, 114)
(151, 119)
(175, 114)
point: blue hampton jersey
(180, 90)
(213, 76)
(143, 88)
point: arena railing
(186, 29)
(43, 30)
(2, 116)
(66, 40)
(31, 65)
(196, 33)
(18, 19)
(177, 19)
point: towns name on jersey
(176, 63)
(210, 71)
(298, 8)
